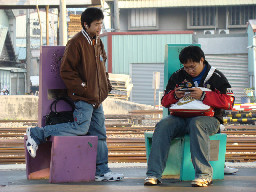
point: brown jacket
(83, 70)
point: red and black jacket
(220, 98)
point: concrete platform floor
(14, 180)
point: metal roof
(3, 32)
(13, 69)
(181, 3)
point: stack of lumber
(121, 86)
(74, 25)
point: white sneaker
(229, 170)
(31, 144)
(110, 176)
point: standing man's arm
(69, 69)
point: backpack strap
(209, 75)
(68, 101)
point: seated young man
(196, 72)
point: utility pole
(40, 24)
(28, 58)
(47, 24)
(63, 23)
(254, 62)
(116, 16)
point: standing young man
(197, 73)
(83, 72)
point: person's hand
(179, 94)
(196, 93)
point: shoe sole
(201, 184)
(230, 173)
(110, 179)
(152, 182)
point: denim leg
(97, 128)
(80, 126)
(88, 121)
(37, 134)
(200, 128)
(167, 129)
(82, 116)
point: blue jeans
(199, 129)
(88, 121)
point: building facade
(12, 78)
(219, 26)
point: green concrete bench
(179, 159)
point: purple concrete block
(49, 79)
(73, 159)
(38, 167)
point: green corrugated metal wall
(104, 40)
(250, 50)
(149, 48)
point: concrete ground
(13, 178)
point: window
(21, 12)
(202, 17)
(35, 23)
(36, 31)
(143, 19)
(241, 15)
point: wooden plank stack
(121, 86)
(74, 25)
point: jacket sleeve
(69, 69)
(169, 99)
(169, 95)
(222, 96)
(217, 100)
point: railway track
(127, 144)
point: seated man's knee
(163, 125)
(198, 124)
(83, 129)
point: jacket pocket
(80, 90)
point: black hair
(91, 14)
(191, 53)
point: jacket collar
(88, 38)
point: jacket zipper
(97, 68)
